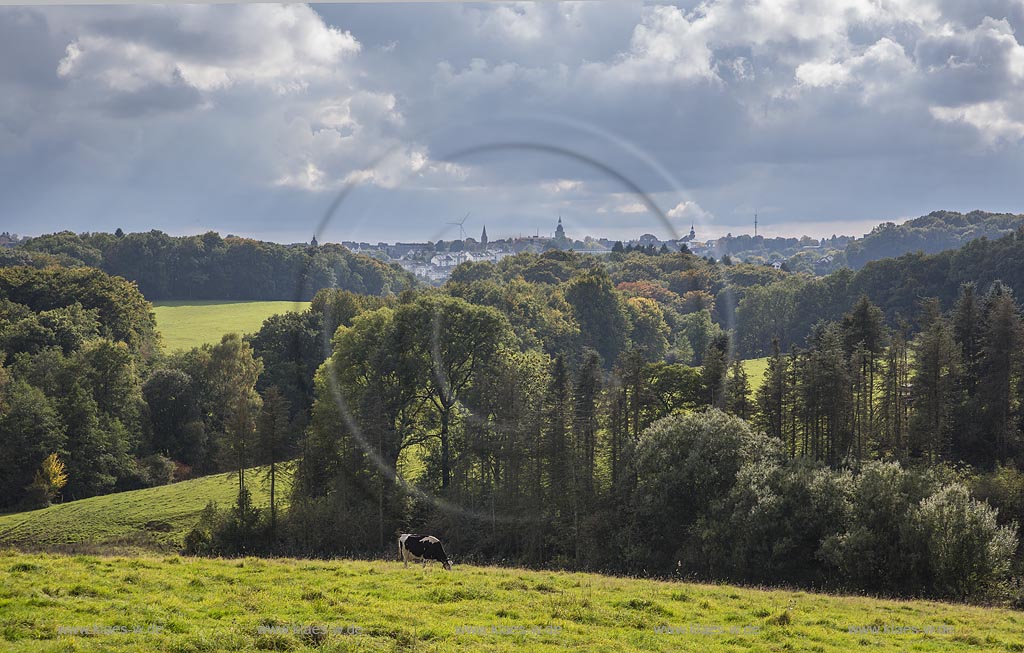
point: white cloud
(688, 210)
(280, 46)
(822, 73)
(665, 46)
(994, 120)
(879, 68)
(562, 186)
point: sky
(391, 121)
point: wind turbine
(462, 232)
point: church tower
(313, 242)
(559, 231)
(483, 238)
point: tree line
(208, 266)
(842, 471)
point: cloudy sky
(825, 116)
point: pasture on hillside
(187, 324)
(139, 604)
(156, 517)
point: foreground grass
(157, 517)
(187, 324)
(189, 604)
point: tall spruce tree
(771, 396)
(737, 391)
(1000, 336)
(713, 373)
(934, 393)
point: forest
(930, 234)
(560, 410)
(207, 266)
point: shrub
(157, 470)
(49, 479)
(683, 464)
(968, 553)
(771, 526)
(1003, 489)
(879, 550)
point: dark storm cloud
(828, 114)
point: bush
(157, 470)
(967, 553)
(240, 530)
(683, 464)
(879, 550)
(201, 540)
(1003, 489)
(771, 526)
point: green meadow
(150, 603)
(187, 324)
(157, 517)
(755, 367)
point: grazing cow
(422, 548)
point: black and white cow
(422, 548)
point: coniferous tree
(713, 373)
(737, 391)
(586, 397)
(559, 449)
(894, 396)
(934, 392)
(968, 324)
(771, 396)
(999, 356)
(273, 436)
(864, 337)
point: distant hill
(936, 232)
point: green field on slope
(154, 517)
(755, 367)
(192, 604)
(187, 324)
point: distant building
(483, 238)
(399, 250)
(314, 243)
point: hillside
(191, 604)
(157, 517)
(931, 234)
(187, 324)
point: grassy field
(189, 604)
(187, 324)
(156, 517)
(755, 367)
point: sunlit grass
(755, 368)
(187, 324)
(220, 605)
(154, 517)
